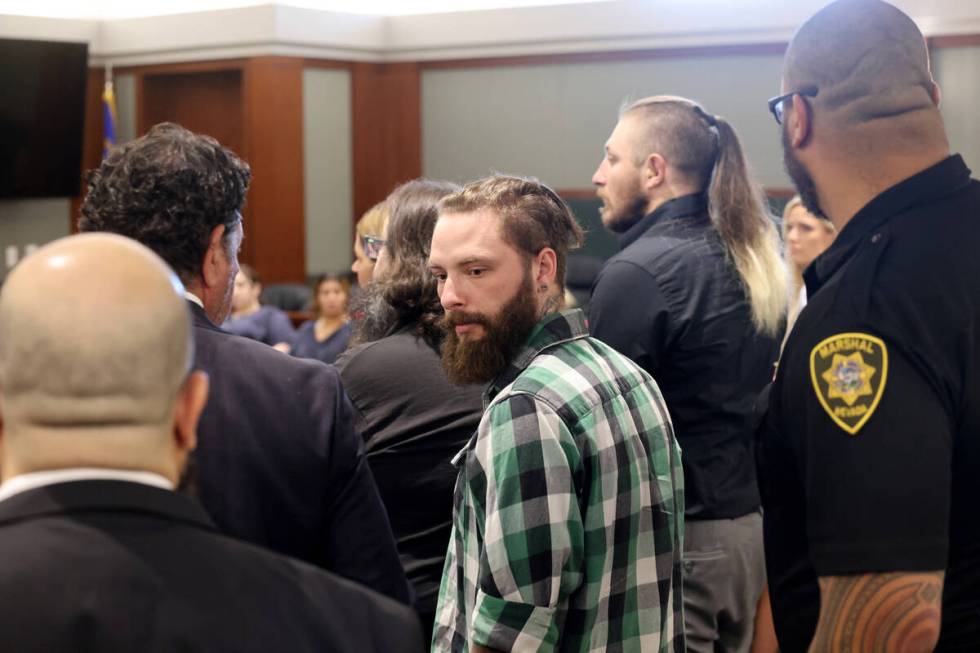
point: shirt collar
(943, 178)
(553, 329)
(32, 480)
(191, 297)
(679, 207)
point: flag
(108, 119)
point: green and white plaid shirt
(569, 508)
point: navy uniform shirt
(872, 443)
(672, 301)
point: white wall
(125, 87)
(327, 169)
(958, 72)
(552, 121)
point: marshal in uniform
(872, 458)
(870, 468)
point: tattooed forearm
(897, 612)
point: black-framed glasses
(372, 246)
(776, 103)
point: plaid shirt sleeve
(522, 477)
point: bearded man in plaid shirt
(569, 510)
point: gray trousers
(724, 572)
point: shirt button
(876, 238)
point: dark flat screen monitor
(42, 115)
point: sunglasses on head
(372, 246)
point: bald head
(869, 63)
(93, 330)
(95, 337)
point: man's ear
(214, 257)
(545, 268)
(191, 399)
(799, 122)
(654, 171)
(936, 93)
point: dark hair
(407, 291)
(532, 215)
(168, 189)
(409, 287)
(340, 278)
(250, 273)
(705, 150)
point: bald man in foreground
(872, 451)
(99, 414)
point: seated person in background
(326, 337)
(279, 462)
(415, 421)
(251, 319)
(98, 550)
(368, 242)
(806, 236)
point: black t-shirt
(871, 449)
(671, 301)
(414, 422)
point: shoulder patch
(849, 371)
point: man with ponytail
(697, 298)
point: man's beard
(621, 220)
(801, 179)
(221, 311)
(372, 317)
(482, 360)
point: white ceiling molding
(557, 29)
(49, 29)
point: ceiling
(116, 9)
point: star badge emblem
(848, 378)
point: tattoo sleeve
(887, 612)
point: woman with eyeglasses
(325, 337)
(368, 242)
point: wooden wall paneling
(214, 65)
(206, 102)
(954, 41)
(275, 225)
(91, 139)
(387, 126)
(204, 99)
(138, 100)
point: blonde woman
(368, 241)
(806, 237)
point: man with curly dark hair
(279, 462)
(175, 191)
(396, 371)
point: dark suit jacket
(115, 566)
(278, 462)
